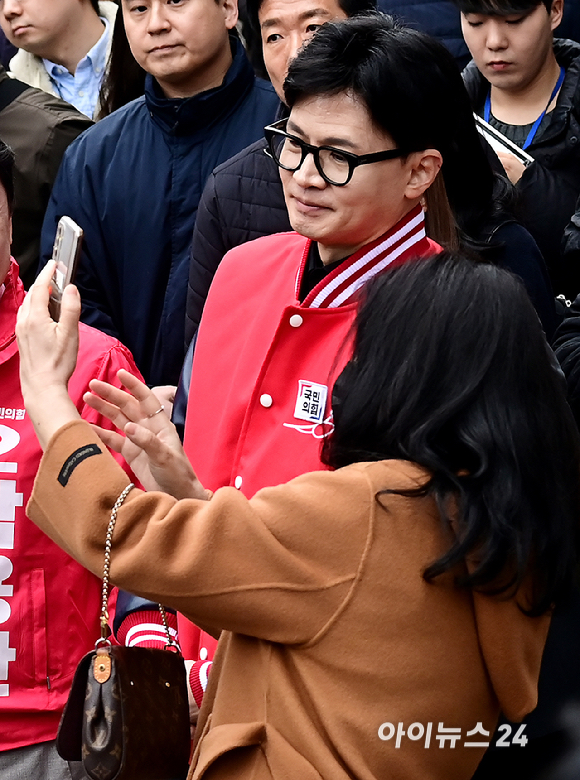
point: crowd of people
(329, 357)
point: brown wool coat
(330, 629)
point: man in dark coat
(133, 181)
(527, 86)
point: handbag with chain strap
(127, 714)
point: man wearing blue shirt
(64, 46)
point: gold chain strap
(106, 572)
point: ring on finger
(161, 409)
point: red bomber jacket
(49, 604)
(265, 363)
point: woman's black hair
(124, 79)
(451, 370)
(413, 91)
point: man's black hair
(412, 89)
(350, 8)
(95, 4)
(7, 173)
(500, 7)
(253, 36)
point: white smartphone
(66, 251)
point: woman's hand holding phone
(48, 355)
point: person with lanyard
(519, 131)
(525, 85)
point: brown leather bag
(127, 714)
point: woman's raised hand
(150, 443)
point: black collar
(315, 271)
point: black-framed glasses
(334, 165)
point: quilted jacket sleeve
(242, 200)
(209, 245)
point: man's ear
(556, 13)
(424, 167)
(230, 8)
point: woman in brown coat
(376, 617)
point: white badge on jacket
(310, 401)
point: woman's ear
(423, 169)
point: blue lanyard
(534, 129)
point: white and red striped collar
(392, 248)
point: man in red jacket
(49, 604)
(356, 155)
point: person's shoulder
(567, 54)
(263, 86)
(243, 158)
(388, 473)
(100, 356)
(357, 480)
(262, 97)
(514, 235)
(261, 259)
(122, 120)
(125, 123)
(24, 64)
(391, 474)
(266, 247)
(566, 51)
(96, 346)
(47, 110)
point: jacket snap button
(238, 483)
(203, 653)
(296, 320)
(266, 400)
